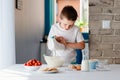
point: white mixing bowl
(54, 61)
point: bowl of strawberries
(32, 64)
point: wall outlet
(106, 24)
(19, 4)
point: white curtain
(7, 33)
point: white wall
(7, 33)
(29, 27)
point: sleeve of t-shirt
(51, 34)
(79, 36)
(52, 43)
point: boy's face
(66, 24)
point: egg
(72, 66)
(78, 67)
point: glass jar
(102, 65)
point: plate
(56, 71)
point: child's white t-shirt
(71, 35)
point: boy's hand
(61, 40)
(58, 38)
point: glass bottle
(85, 62)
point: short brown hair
(69, 12)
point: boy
(67, 34)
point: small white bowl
(32, 68)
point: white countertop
(18, 72)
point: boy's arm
(78, 45)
